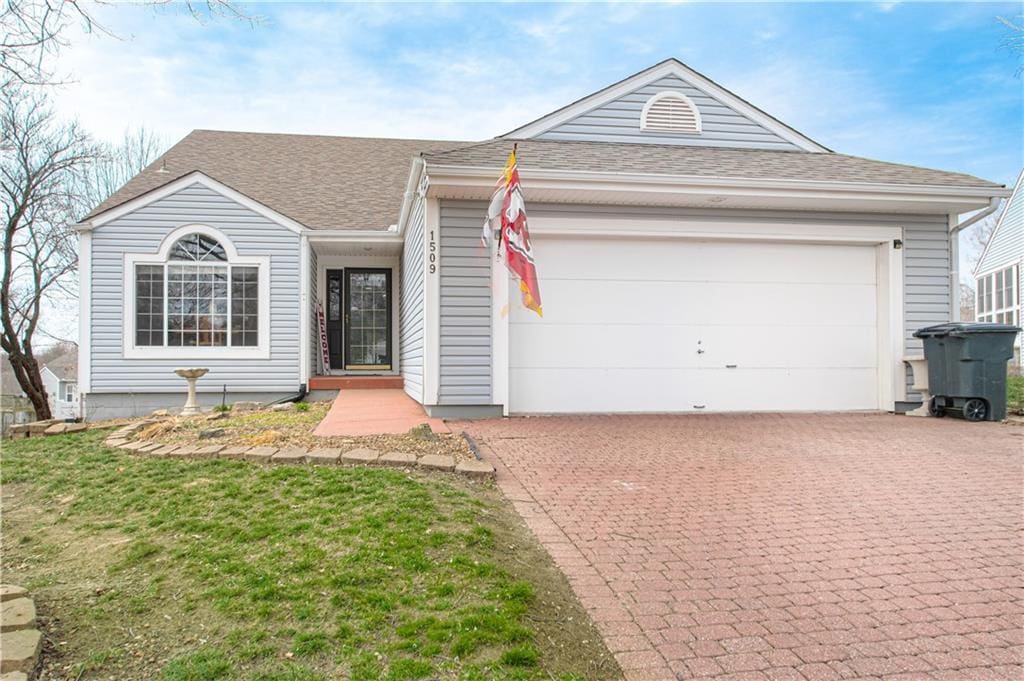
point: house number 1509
(432, 255)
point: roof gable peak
(670, 67)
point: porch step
(355, 382)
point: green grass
(1015, 394)
(226, 570)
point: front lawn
(1015, 395)
(195, 570)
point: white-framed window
(670, 112)
(195, 298)
(998, 297)
(69, 392)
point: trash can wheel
(935, 409)
(975, 409)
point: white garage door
(652, 325)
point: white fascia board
(657, 72)
(467, 175)
(195, 177)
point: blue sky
(927, 84)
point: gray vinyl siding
(465, 291)
(925, 249)
(619, 121)
(141, 231)
(314, 322)
(410, 324)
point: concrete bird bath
(190, 375)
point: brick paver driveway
(782, 547)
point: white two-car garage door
(668, 325)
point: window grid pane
(196, 306)
(149, 305)
(244, 306)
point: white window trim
(1015, 305)
(262, 263)
(671, 94)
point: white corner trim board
(431, 302)
(132, 351)
(84, 312)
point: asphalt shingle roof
(320, 181)
(664, 159)
(328, 182)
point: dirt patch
(294, 428)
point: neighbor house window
(998, 297)
(197, 298)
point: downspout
(954, 252)
(411, 187)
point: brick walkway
(374, 412)
(782, 546)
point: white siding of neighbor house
(1006, 246)
(465, 290)
(410, 334)
(142, 231)
(465, 277)
(619, 121)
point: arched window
(197, 293)
(670, 112)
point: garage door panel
(675, 346)
(584, 391)
(679, 260)
(618, 301)
(781, 326)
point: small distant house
(60, 377)
(999, 276)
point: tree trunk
(26, 370)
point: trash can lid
(963, 329)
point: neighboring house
(999, 275)
(694, 253)
(60, 378)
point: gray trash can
(967, 368)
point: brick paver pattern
(806, 547)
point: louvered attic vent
(670, 112)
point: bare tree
(1014, 38)
(966, 302)
(117, 164)
(33, 31)
(41, 164)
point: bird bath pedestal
(190, 375)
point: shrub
(302, 406)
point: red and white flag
(508, 209)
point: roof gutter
(487, 173)
(993, 206)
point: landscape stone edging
(22, 641)
(123, 439)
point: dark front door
(367, 319)
(336, 317)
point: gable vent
(670, 112)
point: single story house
(694, 253)
(999, 274)
(60, 378)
